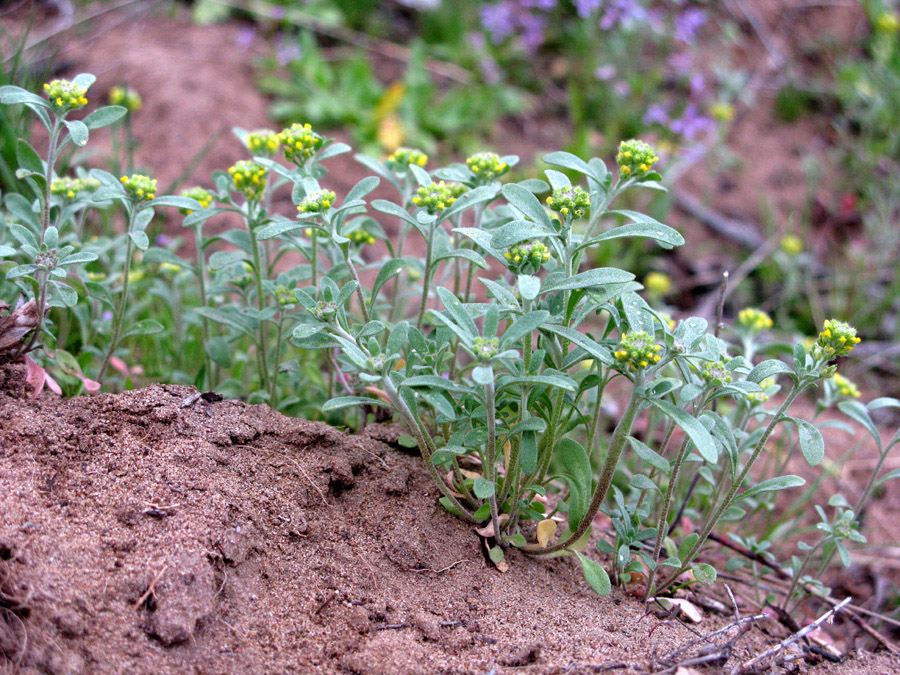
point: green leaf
(78, 132)
(481, 194)
(482, 375)
(66, 293)
(704, 573)
(145, 327)
(84, 80)
(524, 326)
(304, 330)
(390, 269)
(407, 441)
(527, 203)
(858, 412)
(496, 555)
(812, 445)
(529, 286)
(219, 351)
(177, 202)
(891, 475)
(140, 239)
(769, 368)
(483, 488)
(28, 158)
(687, 544)
(342, 402)
(11, 95)
(642, 482)
(569, 161)
(666, 236)
(600, 276)
(773, 485)
(595, 575)
(595, 349)
(222, 259)
(650, 456)
(458, 312)
(701, 438)
(577, 472)
(447, 504)
(103, 117)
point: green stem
(425, 445)
(732, 493)
(617, 442)
(260, 301)
(119, 317)
(201, 280)
(491, 465)
(426, 280)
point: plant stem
(732, 493)
(662, 524)
(491, 464)
(425, 446)
(260, 301)
(623, 428)
(426, 280)
(119, 317)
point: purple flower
(163, 240)
(698, 84)
(245, 37)
(687, 23)
(605, 72)
(587, 7)
(499, 20)
(656, 114)
(532, 31)
(692, 123)
(107, 315)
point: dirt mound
(142, 535)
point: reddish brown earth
(139, 536)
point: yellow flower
(658, 283)
(792, 245)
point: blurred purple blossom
(246, 36)
(656, 114)
(587, 7)
(499, 20)
(107, 316)
(692, 123)
(488, 67)
(698, 84)
(606, 72)
(287, 52)
(511, 17)
(687, 23)
(163, 240)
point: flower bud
(637, 351)
(249, 178)
(199, 194)
(527, 257)
(635, 158)
(437, 196)
(127, 97)
(487, 166)
(300, 142)
(754, 320)
(572, 202)
(317, 202)
(486, 348)
(404, 157)
(262, 142)
(836, 339)
(139, 187)
(65, 95)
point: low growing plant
(498, 347)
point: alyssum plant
(502, 385)
(496, 349)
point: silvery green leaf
(140, 239)
(595, 575)
(701, 438)
(28, 157)
(590, 279)
(812, 445)
(523, 200)
(482, 375)
(84, 80)
(529, 286)
(305, 330)
(769, 368)
(483, 488)
(773, 485)
(666, 236)
(66, 293)
(103, 117)
(421, 175)
(145, 327)
(518, 231)
(361, 189)
(557, 180)
(78, 132)
(479, 195)
(352, 401)
(649, 455)
(11, 95)
(524, 326)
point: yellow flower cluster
(361, 237)
(527, 257)
(792, 245)
(716, 373)
(637, 350)
(845, 386)
(721, 111)
(836, 339)
(139, 187)
(300, 142)
(486, 348)
(126, 97)
(262, 142)
(761, 396)
(402, 157)
(317, 202)
(635, 157)
(65, 95)
(487, 165)
(71, 187)
(570, 201)
(199, 194)
(436, 197)
(658, 283)
(284, 296)
(249, 178)
(754, 320)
